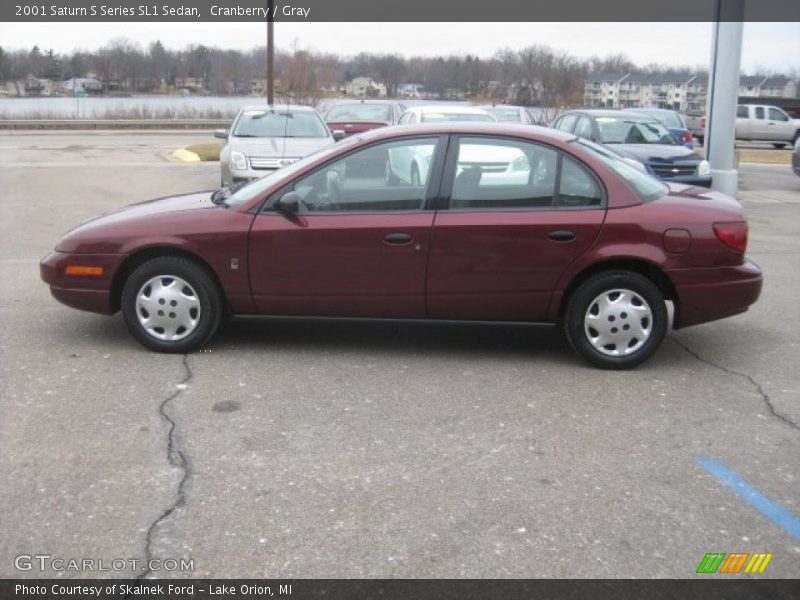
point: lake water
(159, 107)
(152, 107)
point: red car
(358, 116)
(510, 223)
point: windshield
(629, 130)
(359, 112)
(279, 123)
(647, 187)
(508, 115)
(255, 188)
(440, 117)
(668, 118)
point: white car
(265, 138)
(408, 164)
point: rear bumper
(91, 293)
(708, 294)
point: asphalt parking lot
(331, 449)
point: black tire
(203, 288)
(578, 327)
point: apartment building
(683, 92)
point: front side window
(616, 130)
(777, 115)
(584, 128)
(391, 176)
(566, 123)
(279, 123)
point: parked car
(644, 142)
(586, 241)
(357, 116)
(762, 123)
(672, 120)
(696, 123)
(265, 138)
(509, 114)
(442, 113)
(796, 157)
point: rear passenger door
(515, 215)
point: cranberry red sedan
(541, 227)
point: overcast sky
(774, 46)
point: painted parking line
(770, 509)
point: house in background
(365, 87)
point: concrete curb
(185, 155)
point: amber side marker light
(82, 270)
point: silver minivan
(265, 138)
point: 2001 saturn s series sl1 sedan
(509, 223)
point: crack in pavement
(177, 458)
(755, 384)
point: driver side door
(358, 243)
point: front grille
(262, 162)
(663, 170)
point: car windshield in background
(270, 123)
(359, 112)
(441, 117)
(621, 130)
(507, 115)
(648, 188)
(254, 188)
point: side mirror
(289, 203)
(221, 134)
(338, 134)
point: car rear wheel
(171, 304)
(616, 319)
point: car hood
(279, 147)
(655, 152)
(148, 208)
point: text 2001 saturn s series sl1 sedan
(509, 223)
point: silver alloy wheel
(168, 308)
(618, 322)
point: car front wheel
(616, 319)
(171, 304)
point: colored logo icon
(737, 562)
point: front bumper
(84, 292)
(708, 294)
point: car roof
(511, 106)
(278, 107)
(450, 108)
(341, 101)
(599, 112)
(471, 128)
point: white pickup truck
(762, 123)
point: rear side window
(503, 174)
(742, 112)
(759, 112)
(647, 187)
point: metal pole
(723, 93)
(270, 54)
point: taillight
(733, 235)
(687, 137)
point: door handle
(561, 235)
(397, 238)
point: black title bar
(391, 10)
